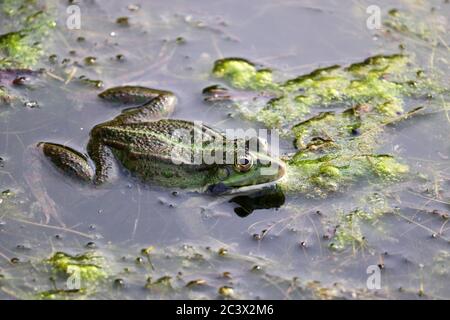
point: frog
(149, 145)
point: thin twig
(54, 227)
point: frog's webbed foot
(155, 104)
(68, 160)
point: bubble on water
(31, 104)
(133, 7)
(91, 245)
(139, 260)
(119, 283)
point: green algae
(179, 272)
(403, 22)
(243, 74)
(61, 294)
(348, 225)
(336, 153)
(89, 266)
(348, 232)
(317, 177)
(382, 81)
(338, 147)
(29, 24)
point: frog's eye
(244, 163)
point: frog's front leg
(155, 104)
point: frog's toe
(68, 160)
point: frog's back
(165, 139)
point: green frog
(153, 147)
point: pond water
(281, 249)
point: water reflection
(270, 199)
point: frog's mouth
(223, 189)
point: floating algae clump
(387, 166)
(243, 74)
(28, 25)
(348, 224)
(348, 232)
(381, 81)
(335, 147)
(89, 266)
(25, 25)
(61, 294)
(405, 23)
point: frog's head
(249, 172)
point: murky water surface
(278, 250)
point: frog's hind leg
(157, 108)
(64, 158)
(103, 158)
(155, 104)
(131, 94)
(68, 160)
